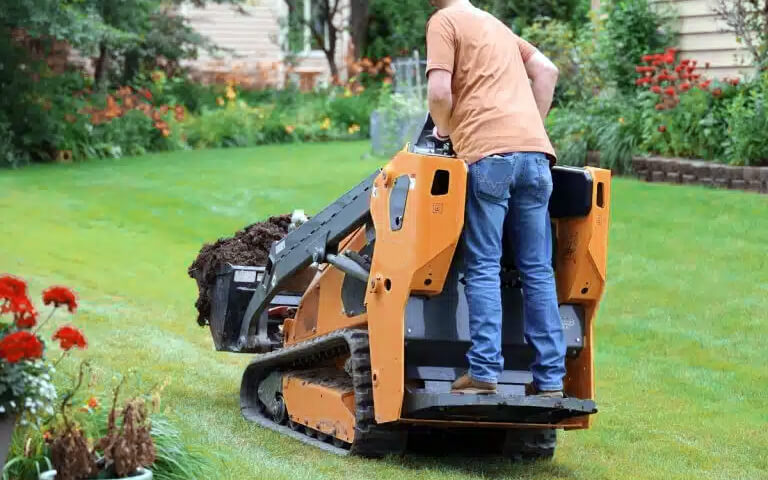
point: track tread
(371, 439)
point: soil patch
(248, 247)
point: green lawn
(681, 337)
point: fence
(395, 125)
(409, 77)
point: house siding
(253, 38)
(705, 38)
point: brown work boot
(532, 391)
(468, 385)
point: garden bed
(696, 172)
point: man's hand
(436, 133)
(543, 73)
(440, 101)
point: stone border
(697, 172)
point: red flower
(69, 337)
(60, 296)
(20, 346)
(147, 94)
(734, 81)
(685, 86)
(662, 128)
(670, 91)
(679, 68)
(685, 62)
(25, 314)
(717, 92)
(656, 89)
(648, 58)
(705, 85)
(12, 289)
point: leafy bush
(629, 29)
(236, 125)
(573, 51)
(748, 123)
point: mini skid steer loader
(361, 322)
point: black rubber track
(371, 439)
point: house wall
(705, 38)
(254, 40)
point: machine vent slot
(441, 183)
(600, 195)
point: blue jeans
(517, 184)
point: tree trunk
(131, 66)
(358, 26)
(101, 67)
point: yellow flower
(230, 94)
(354, 128)
(621, 120)
(326, 123)
(347, 92)
(289, 129)
(220, 101)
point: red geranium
(147, 94)
(60, 296)
(12, 290)
(656, 89)
(670, 91)
(25, 314)
(69, 337)
(20, 346)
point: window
(304, 18)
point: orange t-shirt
(493, 106)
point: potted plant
(125, 451)
(26, 391)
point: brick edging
(698, 172)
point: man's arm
(440, 100)
(543, 74)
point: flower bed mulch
(695, 172)
(248, 247)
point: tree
(749, 20)
(359, 16)
(325, 23)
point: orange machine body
(414, 260)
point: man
(490, 91)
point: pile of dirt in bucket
(248, 247)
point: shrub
(747, 123)
(235, 125)
(629, 28)
(573, 51)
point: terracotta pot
(141, 474)
(7, 425)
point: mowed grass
(681, 336)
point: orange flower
(289, 129)
(165, 132)
(93, 402)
